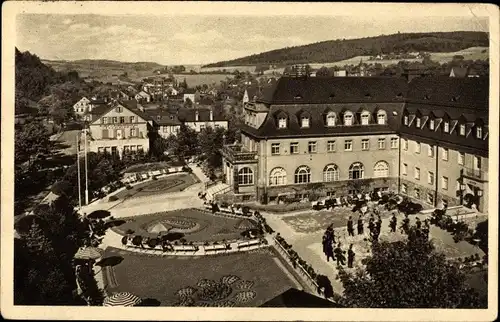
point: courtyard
(196, 225)
(243, 280)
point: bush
(152, 242)
(124, 240)
(129, 187)
(113, 198)
(137, 240)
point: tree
(31, 141)
(323, 71)
(210, 142)
(188, 103)
(408, 274)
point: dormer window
(381, 118)
(282, 122)
(304, 121)
(418, 122)
(365, 118)
(479, 132)
(330, 119)
(406, 119)
(348, 118)
(462, 129)
(431, 124)
(446, 127)
(332, 96)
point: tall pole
(86, 172)
(78, 167)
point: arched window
(381, 169)
(303, 174)
(245, 176)
(348, 118)
(381, 117)
(356, 171)
(330, 119)
(331, 173)
(365, 118)
(277, 177)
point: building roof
(324, 90)
(188, 115)
(253, 92)
(164, 116)
(190, 91)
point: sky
(198, 39)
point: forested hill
(337, 50)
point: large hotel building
(425, 137)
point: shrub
(129, 187)
(124, 240)
(113, 198)
(137, 240)
(152, 242)
(182, 240)
(206, 243)
(154, 178)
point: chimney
(211, 115)
(196, 116)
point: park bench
(248, 244)
(215, 248)
(185, 248)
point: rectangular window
(446, 127)
(104, 120)
(305, 122)
(348, 145)
(282, 123)
(105, 134)
(445, 154)
(417, 122)
(444, 183)
(430, 198)
(365, 119)
(311, 146)
(394, 143)
(430, 177)
(122, 119)
(430, 151)
(405, 144)
(405, 169)
(431, 124)
(404, 188)
(133, 132)
(461, 158)
(477, 163)
(381, 119)
(417, 173)
(132, 119)
(348, 119)
(294, 148)
(275, 148)
(115, 119)
(462, 129)
(417, 147)
(365, 144)
(381, 144)
(479, 132)
(330, 147)
(406, 119)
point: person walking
(405, 225)
(418, 223)
(371, 225)
(339, 255)
(360, 226)
(393, 223)
(329, 251)
(350, 257)
(350, 227)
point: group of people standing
(336, 254)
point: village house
(165, 121)
(250, 94)
(192, 94)
(82, 106)
(119, 127)
(142, 96)
(426, 139)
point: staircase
(219, 188)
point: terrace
(237, 153)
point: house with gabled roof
(82, 106)
(118, 127)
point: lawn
(198, 225)
(171, 183)
(147, 167)
(246, 279)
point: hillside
(337, 50)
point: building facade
(82, 106)
(120, 127)
(334, 136)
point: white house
(143, 96)
(82, 106)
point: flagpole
(86, 172)
(78, 167)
